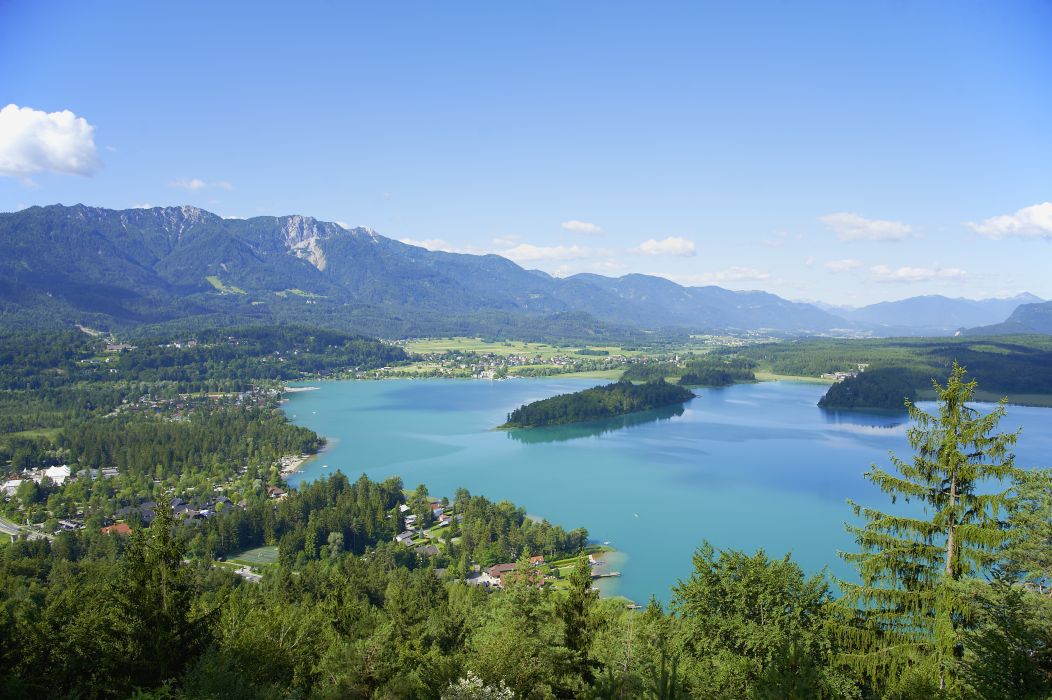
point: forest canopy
(599, 402)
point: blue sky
(844, 152)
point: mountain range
(932, 314)
(126, 268)
(1026, 319)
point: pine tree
(906, 605)
(155, 593)
(577, 610)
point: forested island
(617, 399)
(884, 388)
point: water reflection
(562, 433)
(868, 420)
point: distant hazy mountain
(155, 265)
(934, 314)
(1028, 318)
(645, 299)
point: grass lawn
(763, 376)
(49, 433)
(260, 556)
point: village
(492, 365)
(426, 542)
(841, 376)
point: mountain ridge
(165, 264)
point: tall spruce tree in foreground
(909, 612)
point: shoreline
(292, 464)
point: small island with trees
(883, 388)
(617, 399)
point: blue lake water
(749, 466)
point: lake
(748, 466)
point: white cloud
(842, 265)
(32, 141)
(144, 205)
(731, 274)
(581, 227)
(673, 245)
(1029, 222)
(883, 273)
(429, 243)
(188, 184)
(506, 241)
(194, 184)
(853, 227)
(526, 252)
(608, 266)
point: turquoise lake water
(749, 466)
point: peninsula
(617, 399)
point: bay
(749, 466)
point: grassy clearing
(48, 433)
(763, 376)
(306, 295)
(260, 556)
(224, 288)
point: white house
(57, 474)
(10, 487)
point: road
(9, 528)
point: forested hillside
(1017, 366)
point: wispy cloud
(883, 273)
(603, 267)
(673, 245)
(842, 265)
(32, 141)
(429, 243)
(526, 252)
(506, 241)
(581, 227)
(194, 184)
(781, 238)
(855, 227)
(731, 274)
(1029, 222)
